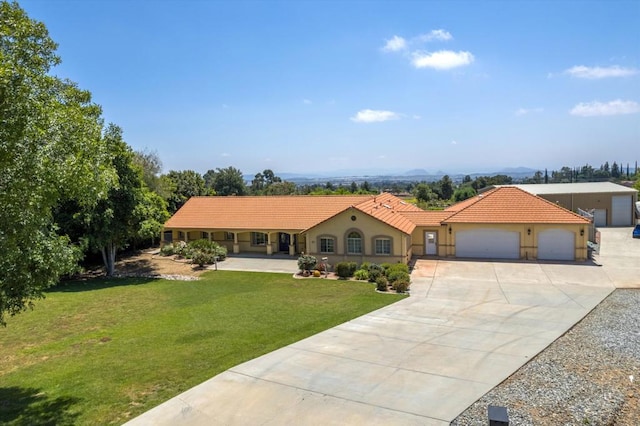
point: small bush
(210, 248)
(316, 273)
(397, 267)
(345, 269)
(381, 283)
(306, 262)
(394, 276)
(364, 266)
(375, 272)
(386, 266)
(400, 286)
(361, 274)
(201, 257)
(167, 250)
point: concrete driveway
(466, 327)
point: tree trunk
(109, 258)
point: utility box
(498, 416)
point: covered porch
(272, 241)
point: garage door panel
(556, 244)
(488, 244)
(621, 210)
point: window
(354, 243)
(258, 239)
(205, 236)
(383, 245)
(327, 245)
(228, 236)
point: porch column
(186, 236)
(292, 247)
(236, 244)
(269, 248)
(209, 235)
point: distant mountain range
(359, 176)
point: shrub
(397, 267)
(345, 269)
(364, 266)
(306, 262)
(202, 257)
(361, 274)
(394, 276)
(386, 266)
(400, 286)
(316, 273)
(167, 250)
(381, 283)
(375, 272)
(210, 248)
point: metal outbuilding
(611, 204)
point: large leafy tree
(184, 185)
(50, 149)
(228, 181)
(118, 219)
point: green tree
(281, 188)
(423, 192)
(117, 219)
(462, 193)
(151, 165)
(184, 185)
(446, 187)
(228, 181)
(50, 150)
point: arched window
(354, 243)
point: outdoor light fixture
(582, 232)
(449, 230)
(529, 231)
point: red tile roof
(509, 204)
(300, 213)
(260, 212)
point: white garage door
(556, 244)
(600, 217)
(488, 243)
(621, 209)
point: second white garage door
(488, 244)
(556, 244)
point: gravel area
(589, 376)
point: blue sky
(306, 87)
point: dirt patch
(150, 264)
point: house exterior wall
(369, 228)
(418, 241)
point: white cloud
(454, 142)
(594, 73)
(417, 117)
(617, 107)
(225, 154)
(395, 44)
(439, 35)
(442, 59)
(524, 111)
(372, 116)
(306, 102)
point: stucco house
(503, 223)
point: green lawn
(102, 352)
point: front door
(431, 243)
(285, 240)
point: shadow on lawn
(98, 284)
(30, 406)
